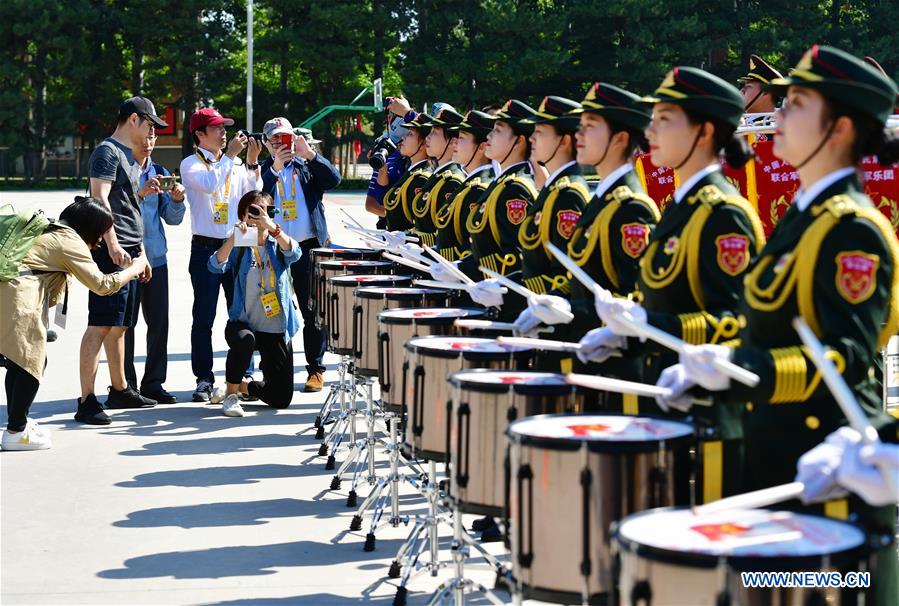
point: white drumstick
(350, 217)
(510, 284)
(756, 499)
(544, 344)
(648, 331)
(406, 262)
(448, 266)
(490, 325)
(617, 385)
(441, 284)
(857, 418)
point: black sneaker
(160, 395)
(51, 335)
(491, 535)
(203, 392)
(482, 524)
(127, 398)
(90, 411)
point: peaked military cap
(760, 71)
(421, 122)
(558, 112)
(516, 113)
(448, 119)
(700, 92)
(616, 105)
(873, 62)
(477, 123)
(845, 79)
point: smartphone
(167, 183)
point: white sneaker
(33, 437)
(218, 394)
(231, 406)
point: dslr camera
(381, 148)
(248, 134)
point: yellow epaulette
(523, 181)
(567, 183)
(623, 193)
(712, 196)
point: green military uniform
(832, 262)
(692, 272)
(610, 238)
(493, 225)
(439, 189)
(398, 199)
(452, 216)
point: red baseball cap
(208, 116)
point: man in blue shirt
(153, 296)
(296, 177)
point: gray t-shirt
(114, 162)
(253, 307)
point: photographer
(153, 296)
(261, 316)
(296, 177)
(387, 161)
(63, 249)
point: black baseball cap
(143, 107)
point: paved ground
(179, 504)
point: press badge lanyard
(269, 300)
(288, 205)
(271, 272)
(215, 193)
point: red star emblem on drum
(424, 314)
(512, 380)
(461, 346)
(720, 532)
(581, 431)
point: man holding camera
(153, 296)
(388, 164)
(296, 177)
(214, 179)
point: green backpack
(18, 231)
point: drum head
(353, 264)
(748, 539)
(428, 315)
(600, 433)
(345, 253)
(368, 279)
(393, 293)
(469, 348)
(503, 381)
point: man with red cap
(215, 179)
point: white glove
(599, 345)
(441, 274)
(550, 309)
(817, 468)
(527, 321)
(697, 361)
(675, 378)
(860, 471)
(394, 239)
(487, 293)
(610, 310)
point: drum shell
(366, 329)
(427, 400)
(483, 417)
(327, 270)
(330, 254)
(548, 565)
(341, 314)
(392, 374)
(891, 376)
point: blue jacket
(316, 177)
(155, 209)
(281, 262)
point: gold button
(812, 422)
(749, 406)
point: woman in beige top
(63, 249)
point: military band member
(446, 178)
(452, 215)
(831, 260)
(756, 99)
(398, 199)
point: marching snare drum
(484, 403)
(431, 360)
(395, 327)
(340, 314)
(316, 281)
(678, 557)
(372, 300)
(571, 476)
(331, 269)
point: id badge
(289, 210)
(270, 304)
(220, 213)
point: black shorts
(117, 309)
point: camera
(253, 211)
(381, 148)
(166, 183)
(248, 134)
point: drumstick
(490, 325)
(648, 331)
(441, 284)
(448, 266)
(544, 344)
(622, 386)
(350, 217)
(842, 394)
(510, 284)
(754, 500)
(406, 262)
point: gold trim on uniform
(791, 382)
(541, 234)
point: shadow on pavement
(216, 445)
(222, 476)
(209, 515)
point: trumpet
(766, 123)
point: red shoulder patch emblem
(634, 238)
(566, 220)
(516, 211)
(733, 253)
(856, 275)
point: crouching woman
(262, 316)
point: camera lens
(378, 159)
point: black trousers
(314, 339)
(276, 363)
(21, 389)
(153, 300)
